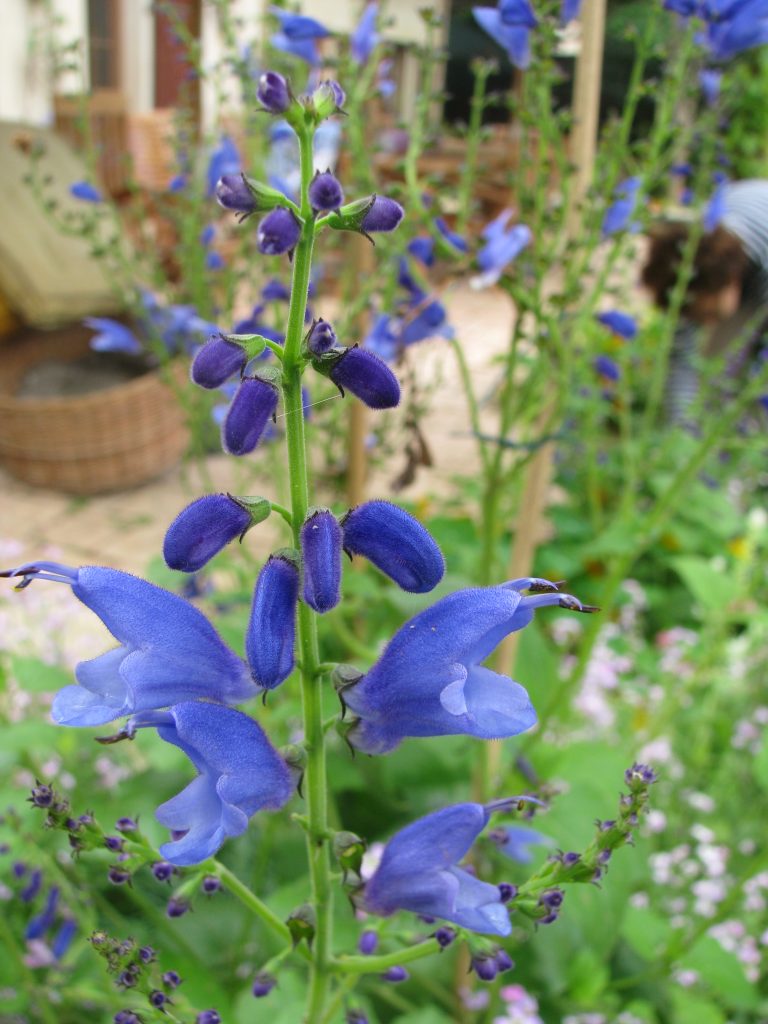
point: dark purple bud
(253, 406)
(216, 362)
(548, 918)
(396, 543)
(321, 338)
(171, 979)
(321, 541)
(367, 377)
(147, 955)
(118, 876)
(384, 215)
(126, 1017)
(176, 907)
(42, 796)
(63, 938)
(395, 975)
(552, 899)
(211, 884)
(271, 635)
(604, 856)
(32, 888)
(157, 999)
(606, 826)
(507, 892)
(273, 92)
(504, 961)
(639, 776)
(570, 859)
(202, 529)
(445, 936)
(163, 871)
(19, 869)
(208, 1017)
(263, 984)
(484, 966)
(355, 1017)
(126, 825)
(114, 843)
(278, 233)
(127, 978)
(368, 942)
(233, 193)
(325, 192)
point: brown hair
(720, 260)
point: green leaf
(693, 1009)
(721, 972)
(35, 676)
(709, 586)
(646, 931)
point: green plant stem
(377, 964)
(315, 781)
(241, 892)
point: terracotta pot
(106, 440)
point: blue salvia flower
(710, 81)
(423, 320)
(422, 247)
(514, 840)
(217, 361)
(685, 8)
(278, 232)
(63, 938)
(275, 291)
(382, 338)
(168, 650)
(736, 26)
(419, 872)
(509, 25)
(618, 215)
(254, 405)
(569, 11)
(239, 773)
(41, 922)
(430, 680)
(178, 183)
(298, 35)
(606, 367)
(112, 336)
(214, 260)
(364, 40)
(502, 245)
(395, 543)
(224, 160)
(321, 544)
(271, 635)
(715, 209)
(621, 324)
(367, 377)
(254, 324)
(202, 529)
(86, 192)
(33, 886)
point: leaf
(709, 586)
(587, 976)
(722, 972)
(646, 931)
(693, 1009)
(36, 676)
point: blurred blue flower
(422, 247)
(569, 11)
(224, 159)
(509, 24)
(41, 922)
(112, 336)
(606, 367)
(430, 680)
(298, 35)
(207, 235)
(502, 245)
(178, 183)
(617, 216)
(685, 8)
(168, 651)
(735, 26)
(214, 260)
(514, 840)
(365, 38)
(63, 938)
(240, 773)
(382, 338)
(621, 324)
(419, 872)
(715, 209)
(710, 81)
(85, 191)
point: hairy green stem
(377, 964)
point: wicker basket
(106, 440)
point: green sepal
(252, 344)
(348, 850)
(266, 197)
(302, 924)
(257, 507)
(351, 216)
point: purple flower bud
(321, 540)
(328, 98)
(484, 966)
(278, 232)
(63, 938)
(171, 979)
(604, 856)
(157, 999)
(211, 884)
(85, 191)
(639, 776)
(253, 406)
(548, 918)
(368, 942)
(325, 192)
(507, 891)
(395, 975)
(355, 1017)
(208, 1017)
(338, 93)
(118, 876)
(271, 635)
(273, 92)
(396, 543)
(126, 825)
(384, 215)
(552, 898)
(606, 367)
(163, 871)
(202, 529)
(128, 977)
(114, 843)
(176, 907)
(216, 362)
(42, 796)
(126, 1017)
(367, 377)
(504, 961)
(445, 936)
(147, 955)
(263, 984)
(321, 338)
(233, 193)
(32, 888)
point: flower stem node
(302, 924)
(271, 635)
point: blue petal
(102, 695)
